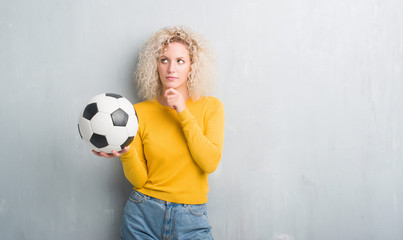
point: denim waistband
(166, 203)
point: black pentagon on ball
(90, 110)
(98, 141)
(119, 118)
(114, 95)
(127, 142)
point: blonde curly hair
(202, 71)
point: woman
(178, 143)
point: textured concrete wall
(313, 92)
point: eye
(180, 61)
(164, 60)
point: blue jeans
(146, 218)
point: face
(174, 66)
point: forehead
(176, 48)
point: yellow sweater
(172, 154)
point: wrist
(180, 109)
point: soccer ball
(108, 122)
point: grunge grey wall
(313, 93)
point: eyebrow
(164, 56)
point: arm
(134, 163)
(205, 147)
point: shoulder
(208, 106)
(141, 106)
(212, 102)
(145, 110)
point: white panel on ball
(101, 123)
(126, 106)
(132, 125)
(108, 105)
(117, 136)
(85, 128)
(110, 148)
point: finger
(170, 91)
(172, 104)
(116, 154)
(171, 100)
(97, 153)
(124, 150)
(104, 154)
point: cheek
(185, 73)
(187, 70)
(160, 69)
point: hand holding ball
(108, 123)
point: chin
(173, 85)
(170, 86)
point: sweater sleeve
(205, 146)
(134, 163)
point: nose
(171, 68)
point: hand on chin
(175, 99)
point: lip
(171, 78)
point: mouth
(171, 78)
